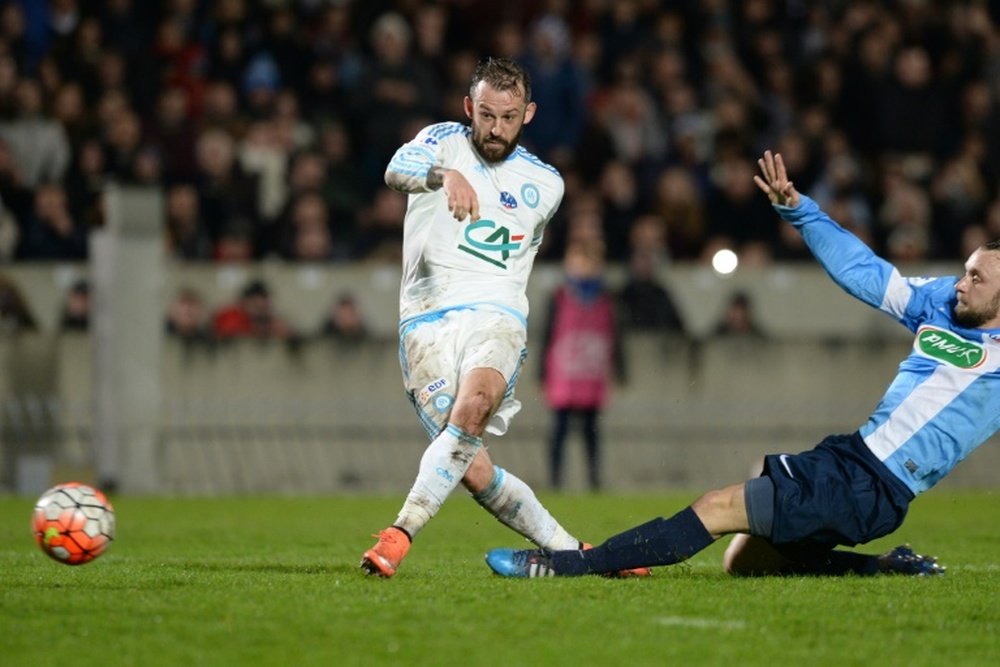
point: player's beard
(494, 152)
(971, 318)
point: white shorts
(438, 350)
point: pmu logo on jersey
(507, 200)
(948, 347)
(490, 243)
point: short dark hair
(502, 74)
(992, 245)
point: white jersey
(452, 264)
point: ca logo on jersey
(490, 243)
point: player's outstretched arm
(774, 182)
(851, 263)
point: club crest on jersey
(530, 195)
(507, 200)
(948, 347)
(490, 243)
(442, 402)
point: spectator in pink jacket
(582, 355)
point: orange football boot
(383, 558)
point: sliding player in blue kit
(850, 489)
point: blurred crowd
(268, 123)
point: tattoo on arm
(435, 177)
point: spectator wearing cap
(261, 83)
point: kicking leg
(515, 505)
(442, 466)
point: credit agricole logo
(947, 347)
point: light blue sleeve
(851, 263)
(407, 170)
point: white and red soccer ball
(73, 523)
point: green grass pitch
(274, 581)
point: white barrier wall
(260, 418)
(252, 417)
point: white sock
(442, 467)
(515, 505)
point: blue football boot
(903, 560)
(521, 563)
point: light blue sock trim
(463, 436)
(493, 488)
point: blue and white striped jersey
(945, 401)
(449, 264)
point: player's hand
(775, 183)
(462, 199)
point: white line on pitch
(987, 567)
(705, 623)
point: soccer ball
(73, 523)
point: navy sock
(657, 542)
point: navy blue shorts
(835, 494)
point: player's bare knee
(713, 502)
(722, 511)
(473, 412)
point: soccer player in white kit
(478, 206)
